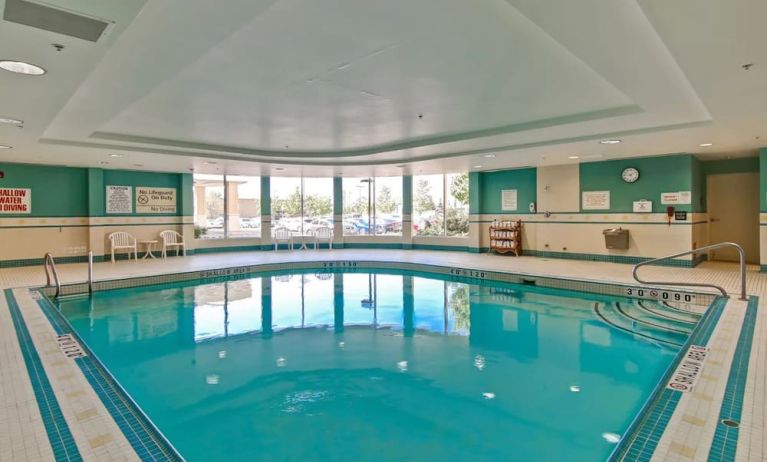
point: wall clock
(630, 175)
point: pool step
(665, 310)
(630, 320)
(642, 315)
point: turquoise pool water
(373, 367)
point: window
(209, 206)
(441, 205)
(302, 204)
(457, 220)
(227, 206)
(318, 204)
(372, 206)
(244, 204)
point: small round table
(298, 239)
(148, 245)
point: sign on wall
(643, 206)
(119, 199)
(674, 198)
(595, 200)
(509, 200)
(669, 198)
(15, 200)
(155, 200)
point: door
(733, 211)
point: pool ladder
(50, 269)
(741, 255)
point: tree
(384, 202)
(214, 201)
(315, 206)
(459, 188)
(423, 199)
(459, 303)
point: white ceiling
(320, 87)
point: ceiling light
(400, 166)
(10, 121)
(207, 162)
(115, 155)
(20, 67)
(573, 157)
(2, 146)
(278, 169)
(489, 156)
(609, 141)
(477, 166)
(705, 145)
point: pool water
(381, 366)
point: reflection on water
(308, 300)
(360, 366)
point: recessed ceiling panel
(350, 74)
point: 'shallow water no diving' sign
(688, 371)
(15, 200)
(155, 200)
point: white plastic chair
(323, 234)
(122, 240)
(282, 234)
(172, 239)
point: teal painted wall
(475, 192)
(763, 180)
(739, 165)
(524, 180)
(56, 191)
(698, 188)
(152, 179)
(80, 192)
(656, 175)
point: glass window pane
(356, 201)
(318, 204)
(457, 222)
(208, 206)
(286, 204)
(388, 205)
(244, 204)
(428, 205)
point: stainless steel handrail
(49, 263)
(90, 272)
(699, 284)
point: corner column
(338, 212)
(266, 213)
(475, 216)
(407, 212)
(96, 210)
(186, 210)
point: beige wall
(649, 234)
(31, 238)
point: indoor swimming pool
(374, 366)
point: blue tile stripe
(62, 442)
(725, 442)
(143, 436)
(644, 433)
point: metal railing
(90, 272)
(741, 254)
(50, 267)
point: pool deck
(733, 372)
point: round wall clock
(630, 175)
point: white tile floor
(687, 437)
